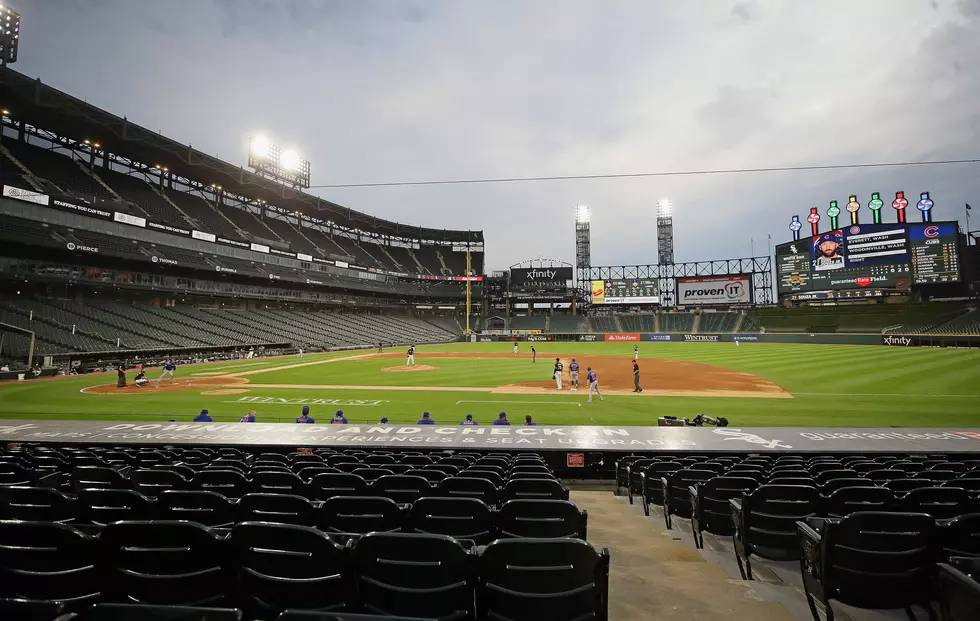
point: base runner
(593, 381)
(573, 373)
(557, 373)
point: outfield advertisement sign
(666, 439)
(591, 338)
(659, 337)
(708, 290)
(622, 338)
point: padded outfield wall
(889, 340)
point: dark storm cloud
(386, 90)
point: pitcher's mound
(224, 391)
(418, 367)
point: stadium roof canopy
(37, 104)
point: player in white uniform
(593, 381)
(558, 372)
(636, 352)
(410, 362)
(573, 373)
(515, 347)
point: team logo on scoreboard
(931, 231)
(854, 230)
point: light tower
(583, 242)
(665, 231)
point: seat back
(204, 507)
(279, 508)
(939, 502)
(164, 562)
(874, 559)
(848, 500)
(272, 482)
(713, 497)
(47, 561)
(101, 506)
(959, 536)
(544, 519)
(425, 576)
(533, 579)
(98, 477)
(152, 481)
(286, 566)
(36, 504)
(461, 487)
(402, 488)
(462, 518)
(359, 514)
(328, 485)
(228, 483)
(770, 515)
(533, 489)
(372, 474)
(495, 477)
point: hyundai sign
(707, 290)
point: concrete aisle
(654, 577)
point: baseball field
(753, 384)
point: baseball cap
(588, 369)
(306, 409)
(502, 415)
(338, 413)
(384, 419)
(469, 417)
(528, 418)
(204, 412)
(425, 415)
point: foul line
(528, 402)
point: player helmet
(589, 369)
(469, 417)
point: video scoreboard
(869, 257)
(629, 291)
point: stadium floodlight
(582, 214)
(259, 146)
(282, 165)
(665, 209)
(289, 160)
(9, 35)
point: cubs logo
(854, 230)
(931, 231)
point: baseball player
(593, 381)
(411, 357)
(636, 352)
(168, 369)
(515, 347)
(300, 354)
(534, 355)
(573, 372)
(557, 373)
(636, 377)
(140, 379)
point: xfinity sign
(714, 290)
(540, 278)
(897, 341)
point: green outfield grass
(860, 386)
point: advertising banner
(631, 291)
(621, 337)
(702, 338)
(658, 337)
(591, 338)
(706, 290)
(540, 278)
(25, 195)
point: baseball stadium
(697, 439)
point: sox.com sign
(714, 290)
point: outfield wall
(890, 340)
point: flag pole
(967, 210)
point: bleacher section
(866, 318)
(718, 322)
(270, 532)
(100, 325)
(677, 322)
(568, 323)
(533, 322)
(637, 322)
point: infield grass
(832, 385)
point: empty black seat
(378, 460)
(652, 487)
(904, 486)
(634, 476)
(765, 522)
(101, 506)
(493, 476)
(306, 471)
(204, 507)
(286, 566)
(360, 514)
(461, 487)
(848, 500)
(677, 495)
(328, 485)
(447, 469)
(534, 579)
(543, 519)
(36, 504)
(710, 510)
(164, 563)
(152, 481)
(434, 477)
(415, 460)
(372, 474)
(425, 576)
(462, 518)
(281, 508)
(48, 561)
(959, 589)
(871, 560)
(98, 477)
(403, 489)
(833, 485)
(29, 610)
(269, 482)
(228, 483)
(939, 502)
(533, 489)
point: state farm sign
(616, 338)
(714, 290)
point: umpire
(636, 377)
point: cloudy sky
(392, 90)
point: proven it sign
(707, 290)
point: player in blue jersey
(338, 418)
(305, 416)
(168, 369)
(573, 372)
(469, 421)
(502, 419)
(528, 422)
(203, 417)
(426, 419)
(593, 381)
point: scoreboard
(935, 252)
(868, 257)
(629, 291)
